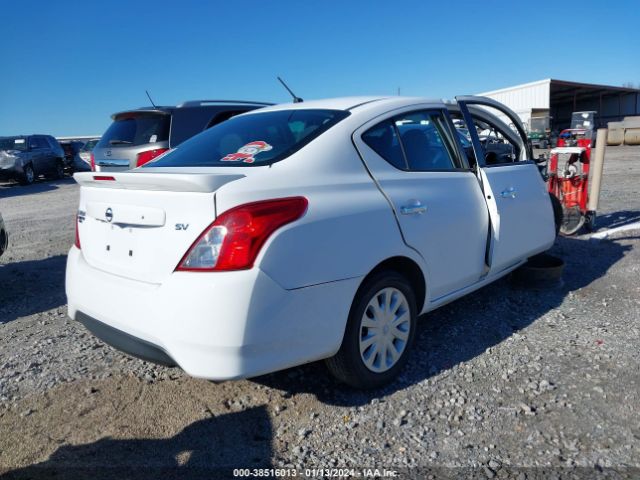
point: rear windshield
(136, 130)
(9, 143)
(251, 140)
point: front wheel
(28, 175)
(379, 334)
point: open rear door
(520, 211)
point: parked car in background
(4, 237)
(138, 136)
(71, 150)
(26, 157)
(85, 155)
(305, 231)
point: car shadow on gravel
(617, 219)
(206, 449)
(464, 329)
(31, 286)
(16, 190)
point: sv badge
(182, 226)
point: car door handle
(509, 193)
(416, 209)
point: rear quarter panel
(349, 226)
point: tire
(59, 172)
(4, 243)
(28, 176)
(558, 214)
(368, 367)
(572, 221)
(590, 221)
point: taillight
(145, 157)
(77, 242)
(93, 163)
(234, 240)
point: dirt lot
(506, 382)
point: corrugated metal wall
(524, 98)
(611, 104)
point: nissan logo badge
(108, 214)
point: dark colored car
(138, 136)
(72, 151)
(25, 157)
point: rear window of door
(425, 142)
(416, 141)
(39, 143)
(136, 130)
(383, 139)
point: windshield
(136, 130)
(13, 143)
(251, 140)
(583, 120)
(539, 124)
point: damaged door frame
(525, 149)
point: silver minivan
(138, 136)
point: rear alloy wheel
(379, 334)
(28, 175)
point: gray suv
(25, 157)
(138, 136)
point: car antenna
(149, 96)
(296, 99)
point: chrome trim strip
(112, 163)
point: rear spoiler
(171, 182)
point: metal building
(560, 98)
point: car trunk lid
(139, 225)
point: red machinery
(568, 178)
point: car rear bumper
(124, 342)
(218, 325)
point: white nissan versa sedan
(306, 231)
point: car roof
(169, 109)
(361, 104)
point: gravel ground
(505, 383)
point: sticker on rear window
(247, 152)
(19, 140)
